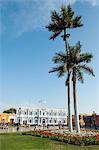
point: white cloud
(34, 14)
(92, 2)
(8, 106)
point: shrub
(71, 139)
(60, 138)
(53, 138)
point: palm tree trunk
(75, 101)
(69, 106)
(68, 88)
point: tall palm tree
(60, 22)
(61, 59)
(79, 66)
(77, 63)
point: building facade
(7, 118)
(40, 116)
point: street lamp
(27, 117)
(94, 119)
(19, 115)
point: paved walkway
(14, 129)
(24, 129)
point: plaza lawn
(16, 141)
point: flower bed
(76, 139)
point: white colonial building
(40, 116)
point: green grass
(16, 141)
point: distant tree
(11, 110)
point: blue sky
(26, 53)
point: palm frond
(53, 27)
(60, 70)
(54, 35)
(64, 19)
(76, 22)
(76, 56)
(55, 17)
(77, 50)
(67, 13)
(85, 57)
(70, 12)
(60, 58)
(86, 69)
(78, 46)
(80, 75)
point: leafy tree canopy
(11, 110)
